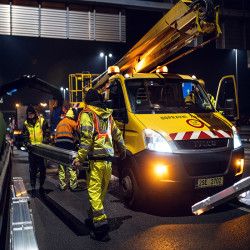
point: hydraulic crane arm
(180, 26)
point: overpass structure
(105, 20)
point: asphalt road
(59, 219)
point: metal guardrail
(221, 197)
(22, 234)
(5, 175)
(58, 155)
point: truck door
(227, 99)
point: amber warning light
(240, 166)
(161, 170)
(163, 69)
(113, 70)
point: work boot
(41, 192)
(77, 189)
(100, 233)
(33, 192)
(100, 237)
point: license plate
(209, 182)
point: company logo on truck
(195, 123)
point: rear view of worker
(97, 130)
(64, 136)
(35, 130)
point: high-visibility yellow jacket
(97, 130)
(37, 132)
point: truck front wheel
(130, 190)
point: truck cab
(172, 145)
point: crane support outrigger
(222, 197)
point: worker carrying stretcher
(97, 131)
(64, 136)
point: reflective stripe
(63, 124)
(100, 223)
(97, 126)
(103, 151)
(98, 213)
(64, 132)
(37, 134)
(87, 128)
(64, 140)
(85, 146)
(101, 132)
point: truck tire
(130, 189)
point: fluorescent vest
(36, 132)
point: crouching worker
(97, 130)
(64, 136)
(35, 130)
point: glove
(77, 164)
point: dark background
(54, 59)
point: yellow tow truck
(172, 146)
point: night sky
(54, 59)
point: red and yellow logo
(195, 123)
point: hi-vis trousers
(62, 177)
(97, 183)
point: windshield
(151, 96)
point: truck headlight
(155, 141)
(237, 140)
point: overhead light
(101, 54)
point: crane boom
(180, 26)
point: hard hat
(70, 114)
(202, 83)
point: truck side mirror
(109, 103)
(230, 109)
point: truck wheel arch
(129, 162)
